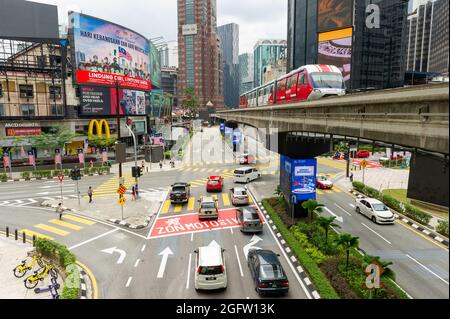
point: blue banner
(237, 137)
(304, 174)
(222, 127)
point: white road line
(136, 263)
(231, 231)
(239, 262)
(192, 236)
(189, 271)
(157, 215)
(143, 248)
(129, 282)
(343, 209)
(376, 233)
(352, 206)
(426, 268)
(95, 238)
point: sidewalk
(149, 168)
(11, 254)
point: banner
(6, 160)
(304, 178)
(104, 155)
(58, 159)
(81, 155)
(31, 158)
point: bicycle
(32, 281)
(23, 268)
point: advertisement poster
(155, 66)
(304, 174)
(106, 53)
(334, 14)
(237, 137)
(337, 52)
(102, 101)
(285, 175)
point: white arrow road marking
(213, 244)
(338, 218)
(255, 239)
(113, 250)
(426, 268)
(165, 253)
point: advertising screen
(334, 14)
(106, 53)
(285, 175)
(304, 179)
(155, 66)
(102, 101)
(337, 52)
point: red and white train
(307, 83)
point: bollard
(16, 235)
(24, 237)
(147, 169)
(7, 232)
(34, 240)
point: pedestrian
(59, 210)
(142, 167)
(136, 189)
(160, 164)
(90, 193)
(133, 193)
(91, 164)
(351, 177)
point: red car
(323, 183)
(214, 184)
(246, 159)
(362, 154)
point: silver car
(239, 196)
(249, 220)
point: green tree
(190, 102)
(348, 242)
(326, 223)
(102, 141)
(313, 207)
(280, 195)
(57, 138)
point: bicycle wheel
(30, 282)
(20, 271)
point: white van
(246, 174)
(210, 271)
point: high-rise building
(439, 58)
(199, 56)
(337, 32)
(169, 79)
(246, 74)
(266, 52)
(229, 39)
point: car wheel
(374, 219)
(358, 210)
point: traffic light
(75, 174)
(136, 171)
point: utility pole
(135, 154)
(118, 122)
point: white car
(239, 196)
(210, 270)
(377, 211)
(246, 174)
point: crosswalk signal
(136, 171)
(75, 174)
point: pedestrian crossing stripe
(191, 204)
(51, 229)
(318, 191)
(195, 169)
(65, 224)
(79, 220)
(178, 208)
(33, 233)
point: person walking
(90, 193)
(160, 164)
(351, 177)
(142, 167)
(136, 190)
(133, 193)
(59, 210)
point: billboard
(102, 101)
(106, 53)
(155, 66)
(334, 14)
(335, 48)
(298, 178)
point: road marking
(65, 224)
(51, 229)
(39, 235)
(129, 282)
(352, 206)
(336, 189)
(239, 261)
(426, 268)
(95, 238)
(231, 231)
(342, 209)
(79, 220)
(195, 169)
(189, 271)
(191, 204)
(427, 238)
(136, 263)
(166, 207)
(318, 191)
(192, 236)
(338, 218)
(178, 208)
(165, 255)
(226, 199)
(143, 248)
(376, 233)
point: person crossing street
(90, 193)
(60, 210)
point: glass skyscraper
(246, 74)
(266, 52)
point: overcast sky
(153, 18)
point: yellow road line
(39, 235)
(93, 280)
(318, 191)
(79, 220)
(226, 199)
(51, 229)
(250, 200)
(65, 224)
(211, 170)
(188, 169)
(337, 190)
(214, 196)
(195, 169)
(191, 204)
(166, 207)
(178, 208)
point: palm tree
(326, 223)
(313, 207)
(387, 272)
(280, 195)
(348, 242)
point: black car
(180, 193)
(267, 272)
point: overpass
(414, 117)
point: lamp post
(135, 152)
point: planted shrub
(25, 175)
(3, 177)
(371, 192)
(391, 202)
(442, 228)
(358, 186)
(417, 215)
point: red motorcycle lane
(183, 224)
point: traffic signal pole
(118, 122)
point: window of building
(27, 109)
(41, 61)
(55, 92)
(26, 91)
(56, 109)
(55, 60)
(190, 12)
(1, 90)
(2, 109)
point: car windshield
(239, 172)
(379, 207)
(179, 189)
(210, 270)
(273, 271)
(251, 215)
(208, 205)
(240, 192)
(325, 80)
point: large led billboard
(334, 14)
(155, 66)
(335, 48)
(102, 101)
(106, 53)
(298, 178)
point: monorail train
(307, 83)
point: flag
(31, 159)
(86, 145)
(22, 152)
(104, 155)
(81, 155)
(58, 159)
(6, 160)
(124, 54)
